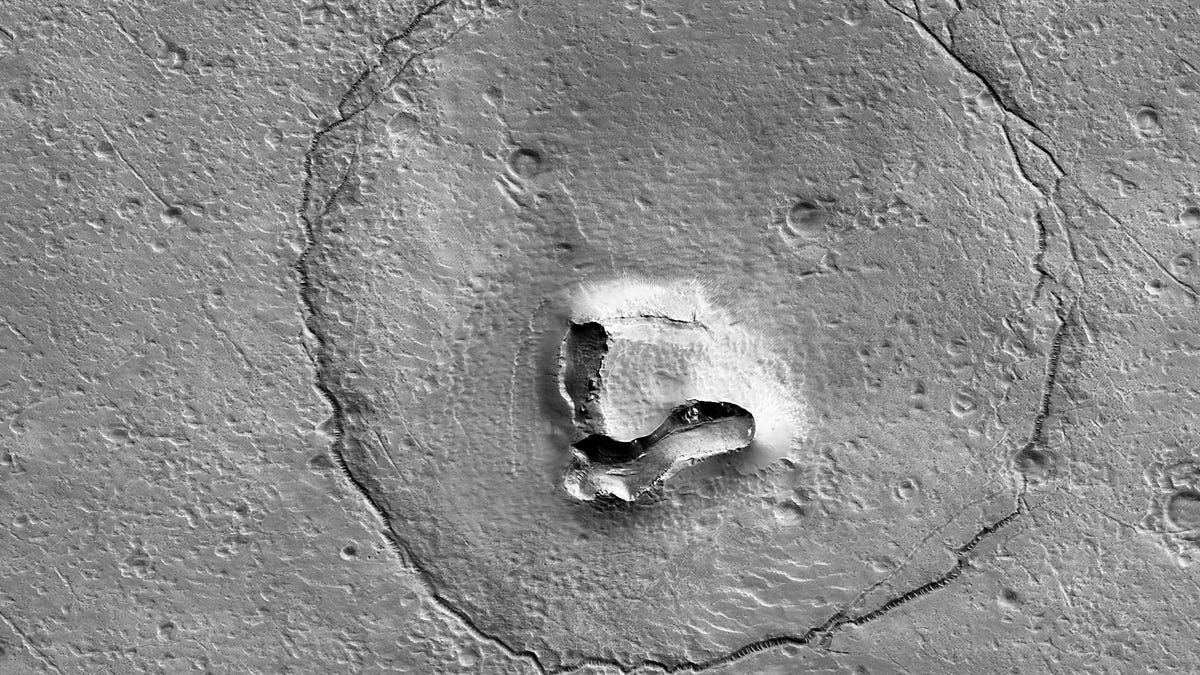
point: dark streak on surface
(1036, 436)
(1039, 253)
(1005, 104)
(322, 359)
(338, 399)
(1002, 100)
(1062, 172)
(820, 633)
(1010, 108)
(1192, 292)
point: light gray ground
(282, 283)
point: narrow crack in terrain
(322, 358)
(361, 95)
(1192, 292)
(1036, 438)
(34, 651)
(1011, 109)
(1002, 100)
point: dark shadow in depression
(691, 433)
(602, 449)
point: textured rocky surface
(283, 287)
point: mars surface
(654, 336)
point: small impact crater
(1174, 509)
(1146, 121)
(806, 220)
(1183, 510)
(524, 163)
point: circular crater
(1189, 217)
(443, 308)
(1183, 510)
(524, 163)
(806, 220)
(1146, 121)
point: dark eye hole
(603, 449)
(711, 410)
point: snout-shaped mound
(634, 351)
(602, 466)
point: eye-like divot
(658, 379)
